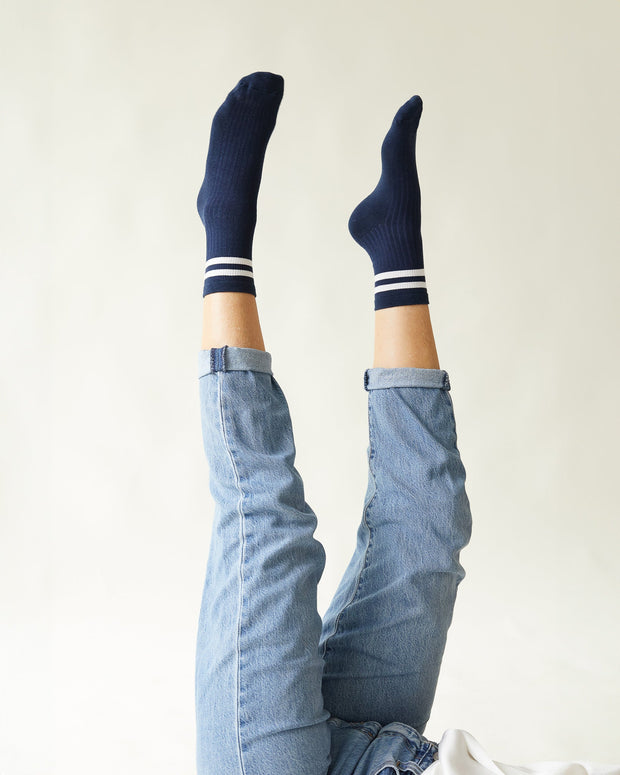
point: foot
(240, 132)
(387, 223)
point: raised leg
(259, 707)
(385, 631)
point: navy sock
(240, 132)
(387, 223)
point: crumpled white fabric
(461, 754)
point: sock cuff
(399, 279)
(400, 287)
(229, 273)
(231, 266)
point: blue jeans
(278, 690)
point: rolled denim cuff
(228, 358)
(405, 376)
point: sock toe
(264, 83)
(410, 111)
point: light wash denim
(278, 690)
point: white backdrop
(103, 485)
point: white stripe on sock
(229, 260)
(237, 272)
(397, 286)
(233, 261)
(399, 273)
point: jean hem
(229, 358)
(406, 376)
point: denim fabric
(278, 690)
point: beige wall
(105, 504)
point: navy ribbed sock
(240, 132)
(387, 223)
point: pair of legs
(403, 335)
(277, 689)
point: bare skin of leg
(231, 318)
(403, 335)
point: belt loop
(218, 358)
(366, 379)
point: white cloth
(461, 754)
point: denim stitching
(241, 563)
(359, 726)
(428, 754)
(398, 767)
(445, 382)
(452, 418)
(418, 750)
(420, 753)
(358, 583)
(371, 456)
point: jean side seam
(358, 580)
(452, 420)
(371, 456)
(241, 564)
